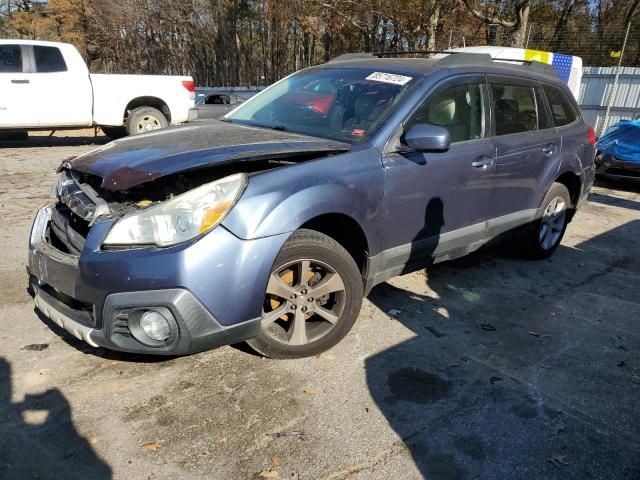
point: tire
(284, 319)
(114, 132)
(145, 119)
(543, 237)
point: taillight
(591, 136)
(189, 85)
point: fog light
(155, 326)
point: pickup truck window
(49, 59)
(10, 59)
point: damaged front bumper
(211, 290)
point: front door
(18, 107)
(436, 203)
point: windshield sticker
(389, 78)
(358, 132)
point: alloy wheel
(553, 221)
(305, 300)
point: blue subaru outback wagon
(270, 224)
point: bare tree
(514, 16)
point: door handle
(19, 81)
(483, 162)
(549, 149)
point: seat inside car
(451, 113)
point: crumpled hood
(129, 162)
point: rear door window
(515, 108)
(10, 59)
(49, 59)
(561, 106)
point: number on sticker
(389, 78)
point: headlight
(181, 218)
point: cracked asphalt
(486, 367)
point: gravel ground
(486, 367)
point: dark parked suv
(270, 224)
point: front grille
(121, 323)
(67, 231)
(78, 203)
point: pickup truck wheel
(114, 132)
(145, 119)
(312, 299)
(544, 236)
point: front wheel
(312, 300)
(546, 233)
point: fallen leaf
(309, 392)
(558, 460)
(394, 311)
(535, 334)
(152, 446)
(222, 440)
(35, 347)
(268, 474)
(274, 462)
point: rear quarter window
(561, 106)
(49, 59)
(10, 59)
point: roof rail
(350, 56)
(412, 52)
(456, 59)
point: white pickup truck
(47, 86)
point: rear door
(64, 94)
(18, 106)
(527, 146)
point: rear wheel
(114, 132)
(546, 233)
(145, 119)
(312, 300)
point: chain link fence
(610, 89)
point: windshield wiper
(280, 128)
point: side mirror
(424, 137)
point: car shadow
(39, 440)
(54, 141)
(614, 201)
(497, 381)
(618, 184)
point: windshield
(346, 104)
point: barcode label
(389, 78)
